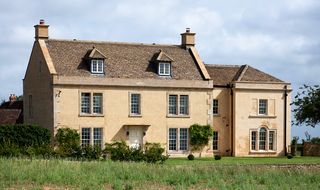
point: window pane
(100, 66)
(172, 139)
(85, 102)
(271, 140)
(183, 139)
(85, 136)
(262, 139)
(135, 103)
(215, 105)
(167, 69)
(184, 102)
(263, 104)
(161, 68)
(97, 137)
(94, 66)
(215, 139)
(173, 104)
(97, 103)
(253, 140)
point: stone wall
(310, 149)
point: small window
(183, 139)
(263, 107)
(271, 140)
(215, 139)
(92, 136)
(178, 105)
(135, 104)
(262, 139)
(172, 139)
(164, 69)
(184, 101)
(97, 137)
(97, 103)
(253, 140)
(173, 104)
(91, 103)
(215, 106)
(97, 66)
(85, 103)
(85, 136)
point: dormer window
(164, 62)
(97, 66)
(164, 69)
(96, 60)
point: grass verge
(17, 173)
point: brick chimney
(12, 98)
(187, 39)
(41, 30)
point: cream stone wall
(116, 119)
(246, 118)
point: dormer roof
(96, 54)
(162, 56)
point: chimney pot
(188, 30)
(12, 98)
(41, 30)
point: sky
(278, 37)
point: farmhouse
(111, 91)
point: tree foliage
(307, 106)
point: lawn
(205, 173)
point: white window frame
(92, 137)
(215, 107)
(139, 104)
(178, 140)
(164, 69)
(97, 66)
(178, 106)
(92, 105)
(267, 143)
(261, 107)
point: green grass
(205, 173)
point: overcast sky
(278, 37)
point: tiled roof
(12, 105)
(224, 74)
(10, 116)
(123, 60)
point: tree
(307, 106)
(199, 136)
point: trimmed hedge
(16, 139)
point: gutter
(285, 118)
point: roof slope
(224, 74)
(123, 60)
(11, 116)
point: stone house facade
(111, 91)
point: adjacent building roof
(225, 74)
(11, 112)
(122, 60)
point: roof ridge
(221, 65)
(116, 43)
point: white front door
(135, 137)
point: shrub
(153, 153)
(17, 139)
(68, 143)
(217, 157)
(190, 157)
(120, 151)
(289, 156)
(90, 152)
